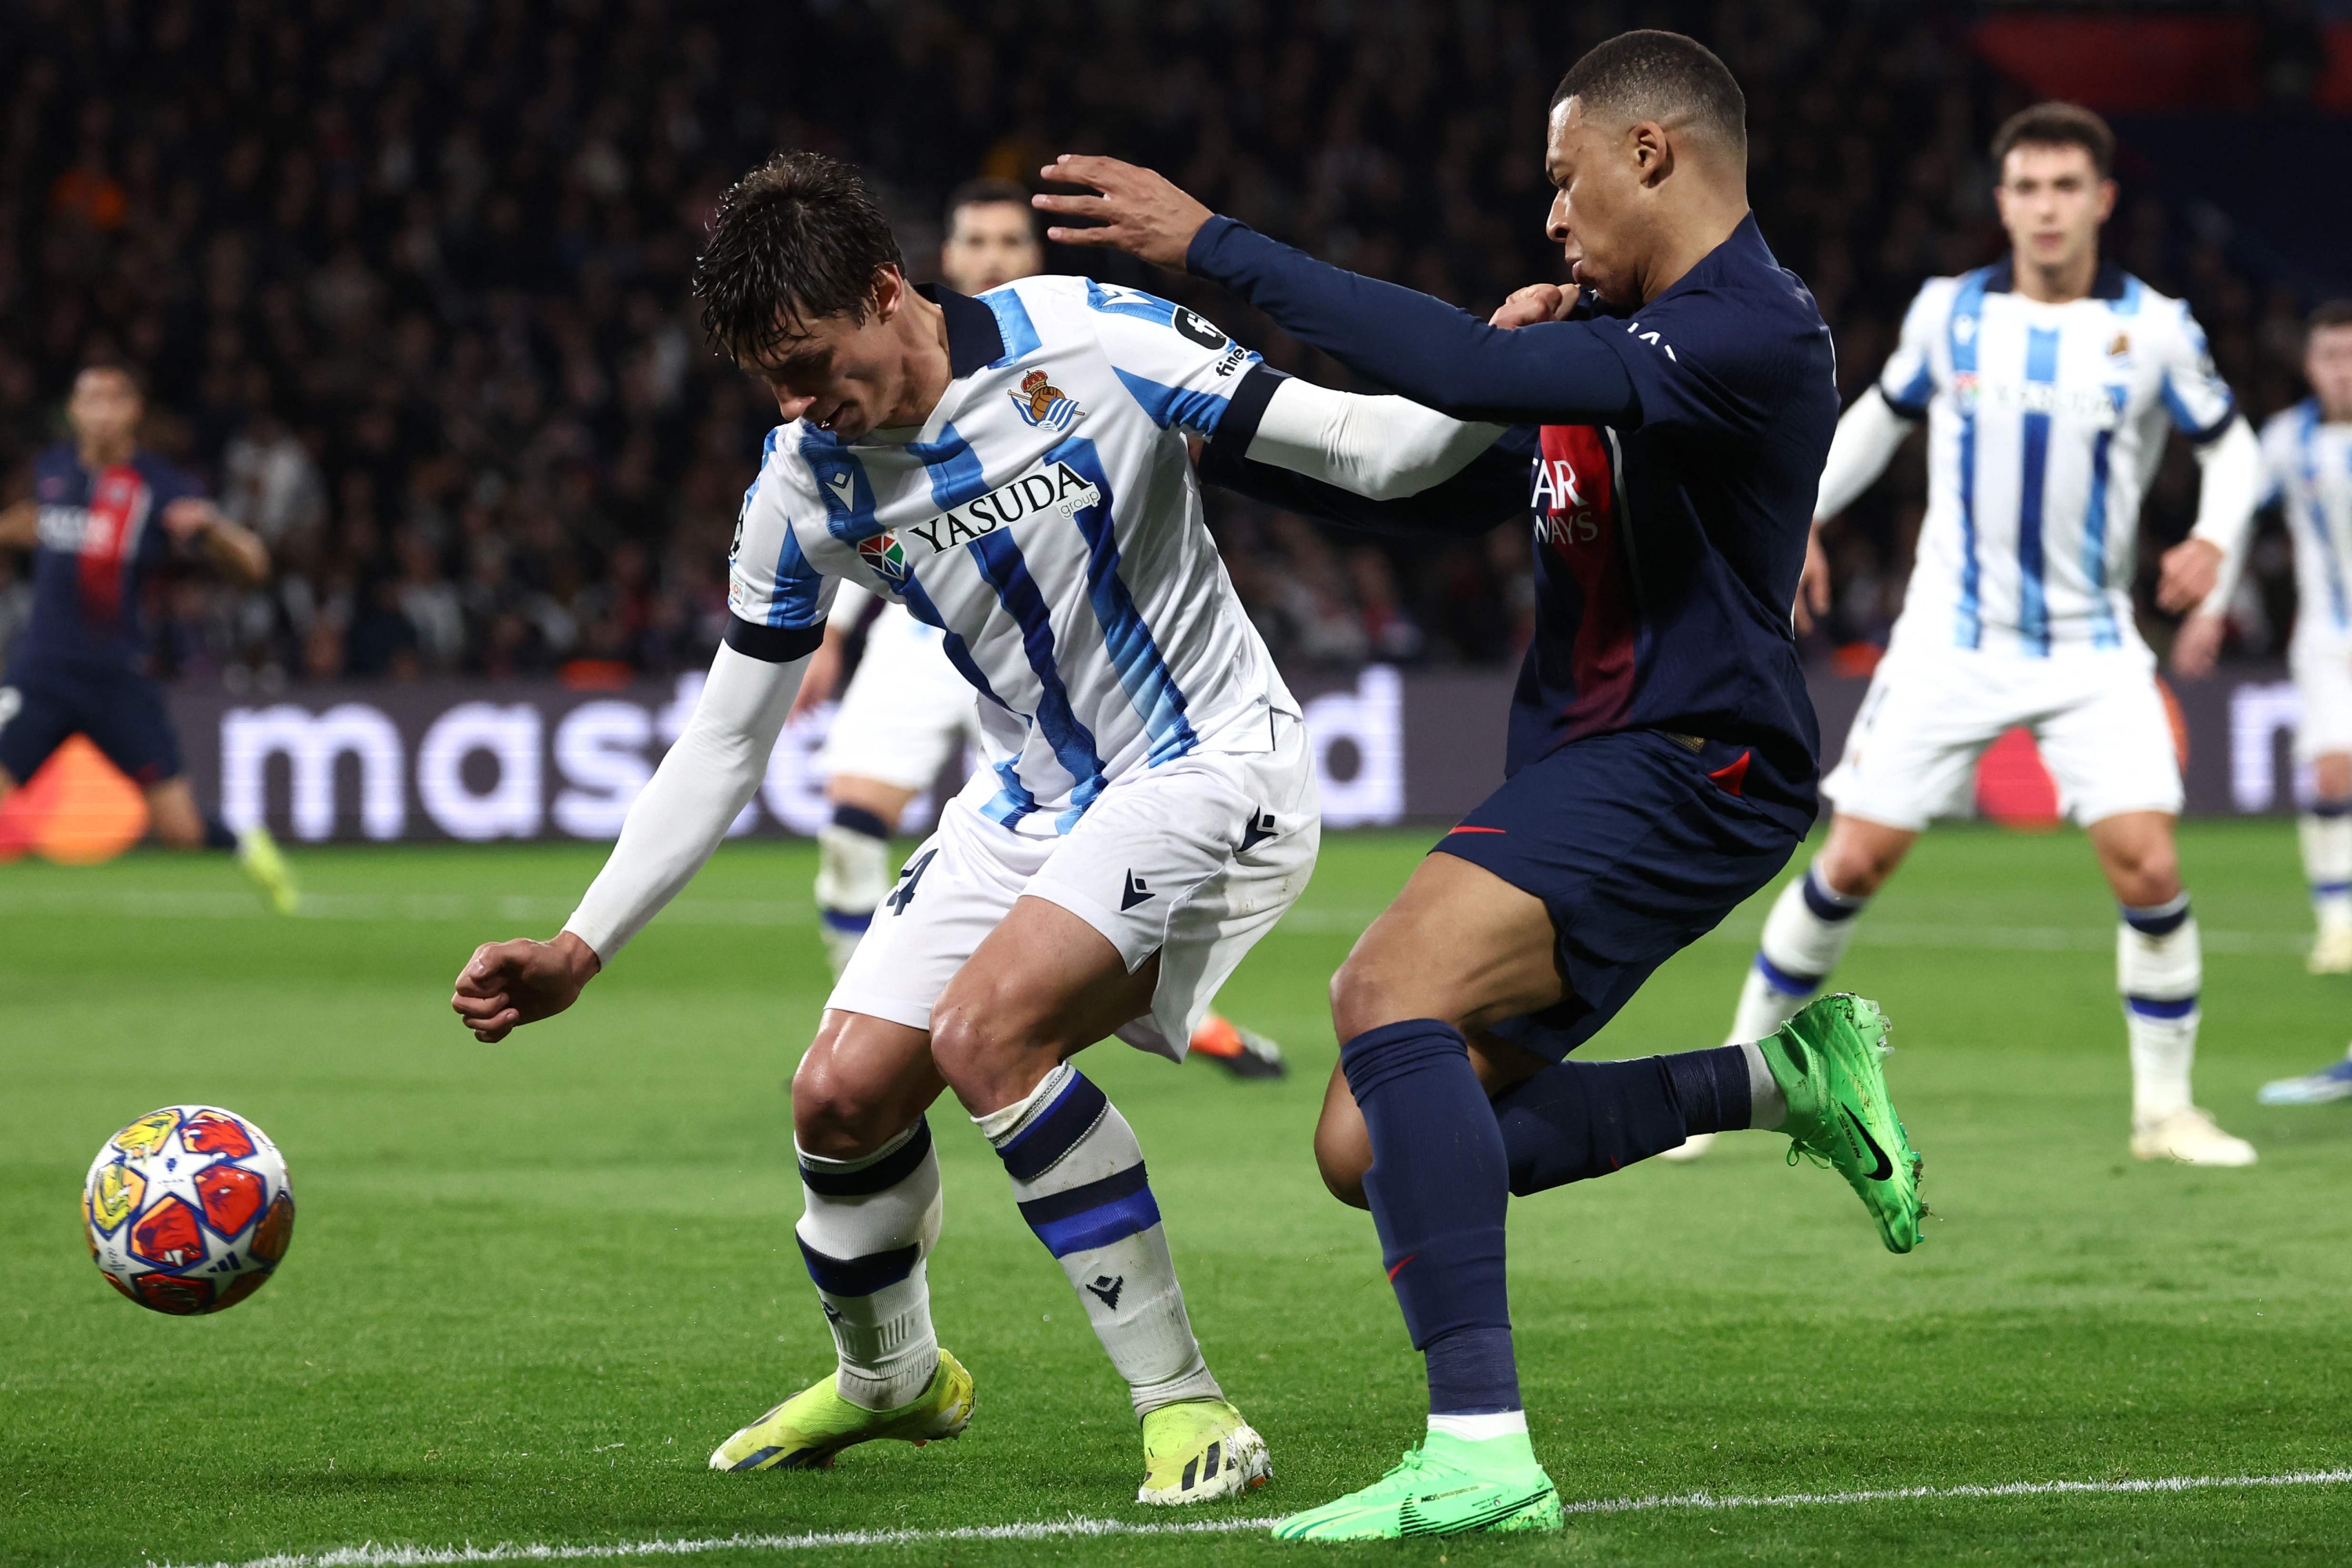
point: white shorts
(2323, 677)
(907, 711)
(2096, 715)
(1194, 860)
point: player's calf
(853, 873)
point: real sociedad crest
(1042, 404)
(885, 557)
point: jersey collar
(2108, 284)
(974, 340)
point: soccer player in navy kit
(1663, 760)
(104, 514)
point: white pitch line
(373, 1556)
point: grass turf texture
(533, 1284)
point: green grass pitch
(533, 1284)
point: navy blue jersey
(99, 535)
(1670, 458)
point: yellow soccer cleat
(259, 854)
(1199, 1450)
(807, 1430)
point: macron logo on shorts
(1136, 893)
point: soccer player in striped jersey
(1014, 470)
(2308, 452)
(905, 713)
(2047, 382)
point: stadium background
(409, 280)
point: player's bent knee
(845, 1105)
(1366, 993)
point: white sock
(1767, 1106)
(2328, 863)
(853, 873)
(2159, 968)
(1078, 1173)
(868, 1226)
(1804, 937)
(1482, 1428)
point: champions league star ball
(188, 1209)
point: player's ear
(1653, 152)
(2106, 199)
(889, 293)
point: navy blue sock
(218, 835)
(857, 819)
(1580, 1119)
(1438, 1188)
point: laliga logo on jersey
(1042, 404)
(885, 557)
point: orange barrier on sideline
(78, 810)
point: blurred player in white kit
(2307, 450)
(2047, 381)
(905, 713)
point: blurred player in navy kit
(102, 516)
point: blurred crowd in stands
(409, 276)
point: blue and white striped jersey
(2045, 425)
(1046, 519)
(2307, 470)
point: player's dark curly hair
(797, 239)
(1651, 74)
(2057, 124)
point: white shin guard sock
(868, 1228)
(1078, 1173)
(2159, 968)
(2327, 863)
(853, 873)
(1804, 937)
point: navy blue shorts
(122, 712)
(1636, 851)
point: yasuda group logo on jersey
(1043, 405)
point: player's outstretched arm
(20, 525)
(1548, 371)
(234, 548)
(2201, 571)
(708, 777)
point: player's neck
(2061, 285)
(1690, 236)
(99, 455)
(927, 366)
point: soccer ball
(188, 1209)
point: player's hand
(1141, 211)
(1814, 582)
(818, 681)
(2196, 643)
(1535, 302)
(508, 983)
(2190, 569)
(186, 517)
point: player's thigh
(951, 893)
(129, 723)
(1913, 748)
(36, 718)
(2110, 747)
(1044, 985)
(863, 1081)
(1460, 944)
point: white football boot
(2190, 1136)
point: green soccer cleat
(807, 1430)
(1199, 1450)
(1826, 1061)
(257, 852)
(1448, 1486)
